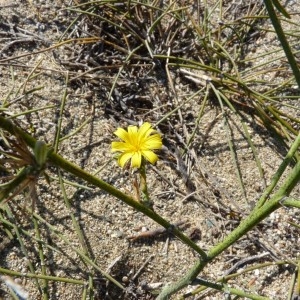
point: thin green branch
(45, 286)
(38, 276)
(61, 111)
(230, 291)
(290, 202)
(283, 40)
(234, 275)
(74, 221)
(286, 161)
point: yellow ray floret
(137, 143)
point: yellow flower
(137, 143)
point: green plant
(148, 42)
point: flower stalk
(145, 199)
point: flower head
(137, 143)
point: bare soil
(208, 204)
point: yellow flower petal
(136, 160)
(120, 147)
(132, 135)
(122, 134)
(132, 129)
(123, 158)
(136, 144)
(153, 142)
(150, 156)
(145, 130)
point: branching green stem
(256, 216)
(78, 172)
(246, 225)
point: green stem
(286, 161)
(290, 202)
(45, 286)
(234, 275)
(246, 225)
(145, 199)
(75, 224)
(44, 277)
(297, 292)
(78, 172)
(61, 111)
(7, 188)
(281, 36)
(74, 221)
(231, 291)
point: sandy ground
(27, 27)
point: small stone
(117, 234)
